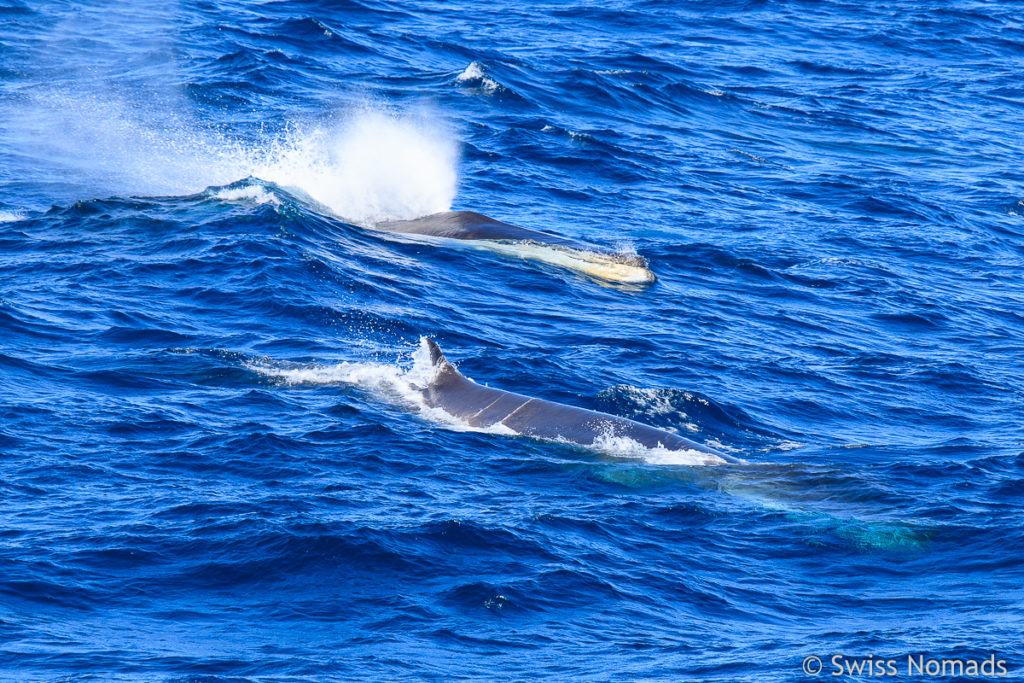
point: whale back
(482, 407)
(470, 225)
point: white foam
(371, 376)
(388, 381)
(423, 371)
(255, 194)
(652, 400)
(657, 401)
(474, 74)
(10, 216)
(624, 447)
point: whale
(486, 407)
(513, 240)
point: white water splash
(364, 165)
(10, 216)
(369, 167)
(389, 383)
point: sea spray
(368, 167)
(363, 165)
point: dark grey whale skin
(481, 406)
(470, 225)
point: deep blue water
(208, 472)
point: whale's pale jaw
(604, 266)
(614, 268)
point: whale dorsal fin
(435, 354)
(444, 377)
(442, 366)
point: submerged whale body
(470, 225)
(532, 244)
(484, 407)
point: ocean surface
(210, 466)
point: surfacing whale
(484, 407)
(533, 244)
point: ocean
(212, 467)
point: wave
(474, 75)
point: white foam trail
(387, 382)
(370, 376)
(393, 384)
(11, 216)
